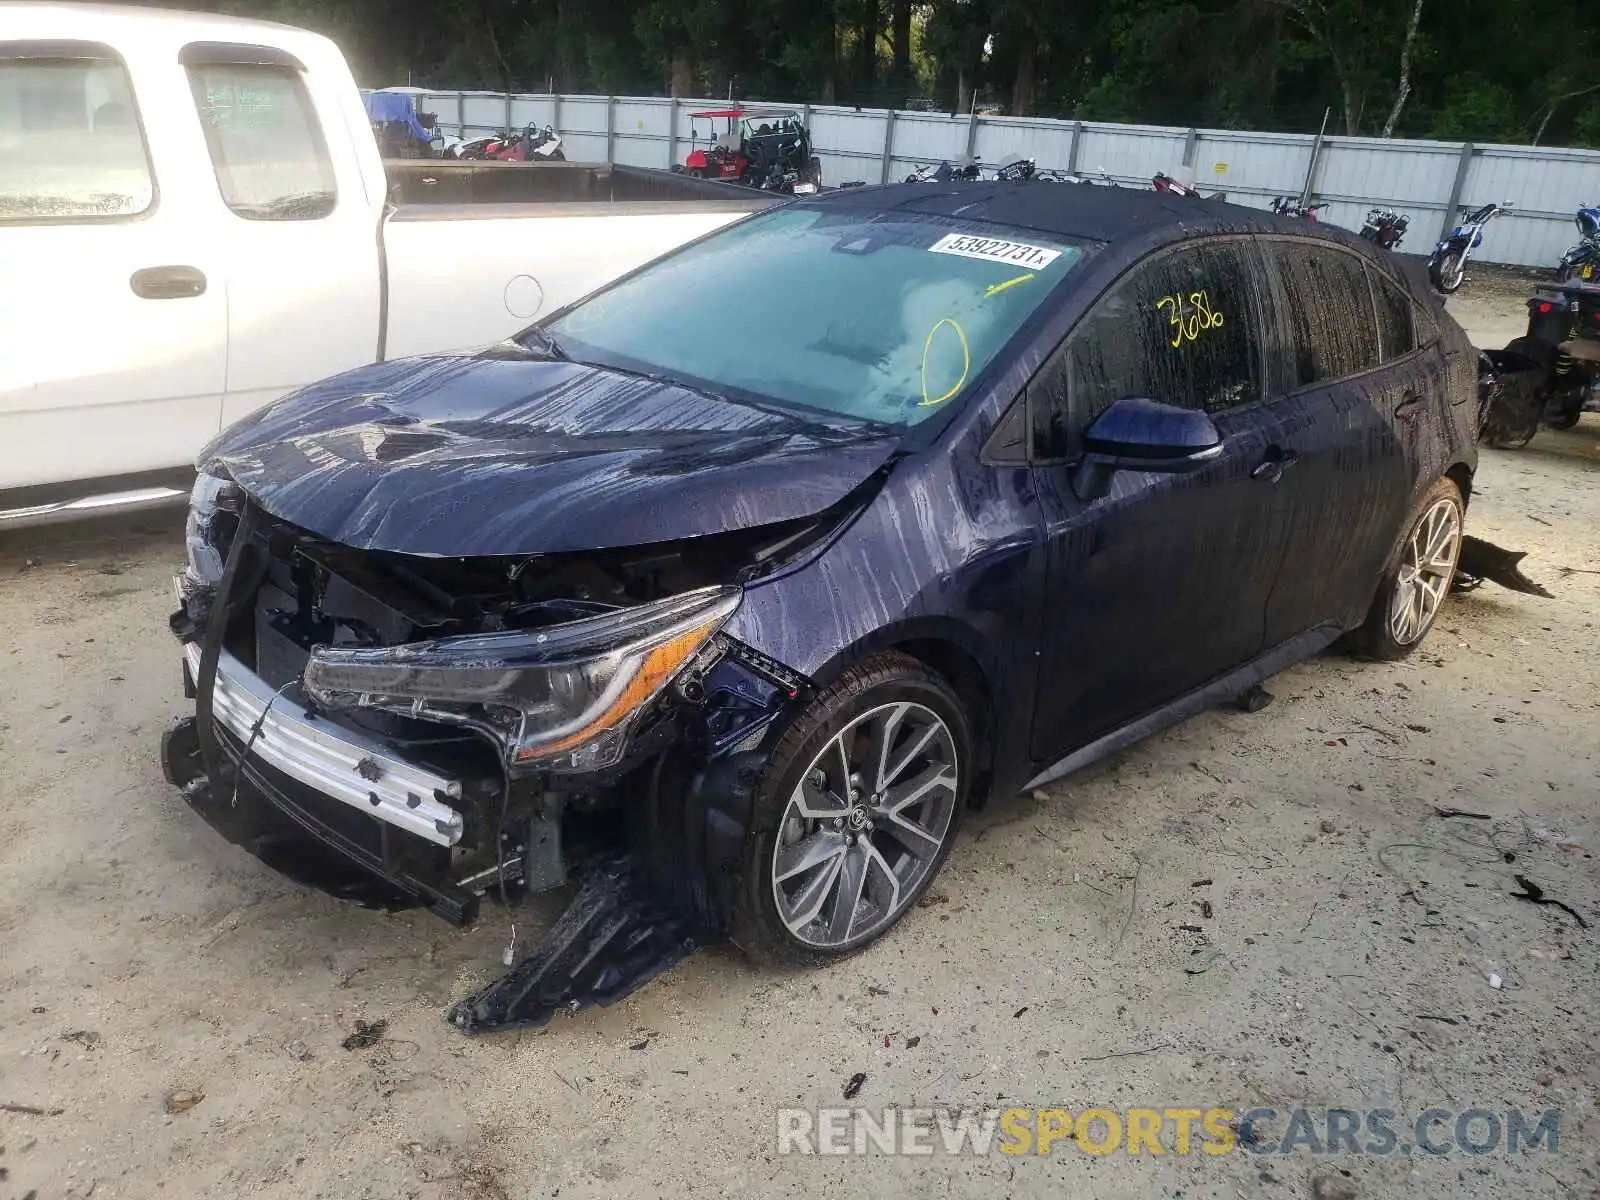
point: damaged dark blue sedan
(725, 592)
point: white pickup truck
(195, 220)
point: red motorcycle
(1173, 187)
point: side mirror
(1136, 434)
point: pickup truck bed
(548, 232)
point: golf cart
(765, 148)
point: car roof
(1083, 211)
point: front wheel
(1417, 579)
(854, 814)
(1447, 271)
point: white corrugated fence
(1428, 181)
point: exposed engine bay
(458, 727)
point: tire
(864, 840)
(1384, 635)
(1447, 272)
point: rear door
(113, 335)
(1161, 585)
(1352, 399)
(299, 229)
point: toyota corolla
(726, 592)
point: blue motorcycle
(1447, 265)
(1582, 262)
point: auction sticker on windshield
(995, 250)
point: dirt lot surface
(1343, 953)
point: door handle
(1271, 468)
(1409, 407)
(167, 283)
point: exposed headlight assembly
(212, 497)
(561, 697)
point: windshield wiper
(544, 342)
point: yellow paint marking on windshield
(1010, 283)
(966, 362)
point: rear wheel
(855, 813)
(1417, 579)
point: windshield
(884, 317)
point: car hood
(506, 453)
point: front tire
(1447, 271)
(1417, 578)
(854, 814)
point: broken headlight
(213, 502)
(561, 697)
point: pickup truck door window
(1161, 584)
(266, 147)
(113, 329)
(300, 240)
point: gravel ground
(1341, 954)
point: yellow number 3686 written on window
(1190, 316)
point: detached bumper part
(340, 763)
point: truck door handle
(167, 283)
(1271, 468)
(1409, 407)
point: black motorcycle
(1549, 374)
(1385, 228)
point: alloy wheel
(1426, 566)
(866, 825)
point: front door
(1161, 585)
(300, 232)
(113, 317)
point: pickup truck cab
(195, 221)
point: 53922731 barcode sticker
(1000, 250)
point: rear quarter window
(1397, 334)
(71, 147)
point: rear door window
(1332, 326)
(267, 149)
(1397, 335)
(71, 147)
(1181, 329)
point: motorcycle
(1162, 182)
(1447, 265)
(1563, 347)
(945, 173)
(1290, 206)
(1385, 228)
(1582, 261)
(533, 144)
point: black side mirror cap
(1139, 434)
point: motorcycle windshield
(883, 317)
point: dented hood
(505, 453)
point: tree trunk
(1022, 87)
(963, 92)
(866, 51)
(1352, 105)
(682, 73)
(900, 43)
(1404, 89)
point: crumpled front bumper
(338, 762)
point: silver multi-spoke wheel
(1427, 564)
(866, 824)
